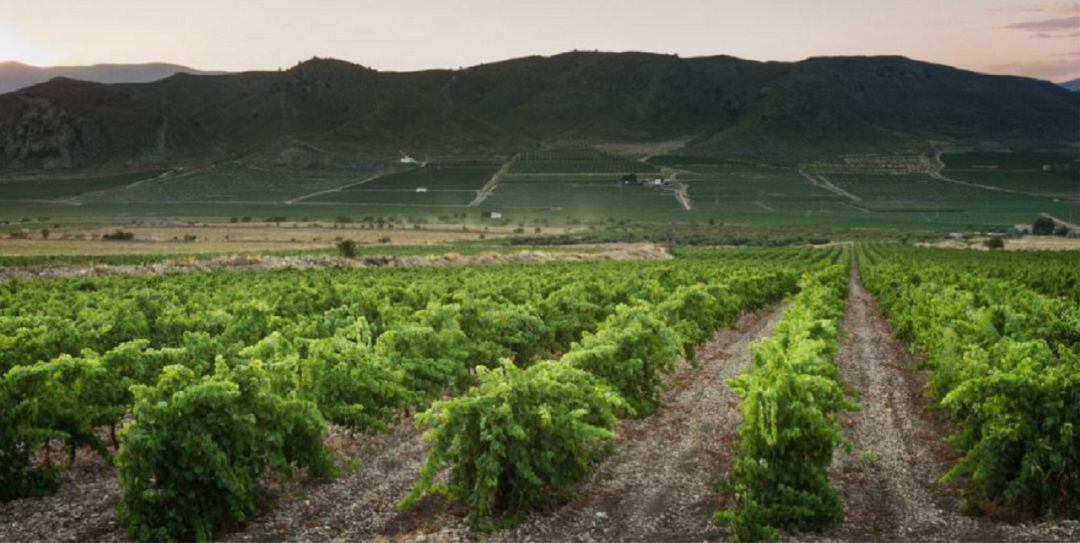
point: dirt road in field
(485, 191)
(889, 483)
(657, 486)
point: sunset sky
(1039, 39)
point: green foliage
(433, 352)
(61, 399)
(191, 459)
(1004, 367)
(347, 248)
(1043, 226)
(631, 351)
(518, 439)
(351, 385)
(790, 398)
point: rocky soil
(634, 251)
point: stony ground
(612, 252)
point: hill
(327, 112)
(1073, 85)
(16, 75)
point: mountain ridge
(16, 75)
(325, 112)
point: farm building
(406, 159)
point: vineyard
(531, 385)
(576, 161)
(1001, 337)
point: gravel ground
(889, 482)
(83, 508)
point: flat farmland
(577, 161)
(229, 183)
(580, 196)
(434, 177)
(50, 189)
(1032, 172)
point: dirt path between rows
(658, 485)
(890, 491)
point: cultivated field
(966, 192)
(613, 396)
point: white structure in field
(496, 215)
(406, 159)
(421, 189)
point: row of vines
(790, 397)
(517, 371)
(1001, 336)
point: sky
(1024, 37)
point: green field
(434, 177)
(442, 185)
(580, 185)
(49, 189)
(741, 184)
(231, 182)
(580, 200)
(576, 161)
(398, 197)
(1034, 172)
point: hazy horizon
(1036, 39)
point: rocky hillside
(330, 112)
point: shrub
(1043, 226)
(351, 385)
(191, 460)
(59, 399)
(433, 354)
(118, 235)
(517, 440)
(995, 242)
(630, 351)
(347, 248)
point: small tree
(994, 243)
(347, 248)
(45, 233)
(1043, 226)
